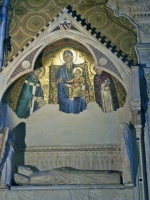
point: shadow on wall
(19, 144)
(144, 91)
(3, 116)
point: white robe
(107, 104)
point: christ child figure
(77, 84)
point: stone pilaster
(141, 184)
(146, 122)
(135, 105)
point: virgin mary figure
(65, 74)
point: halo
(79, 68)
(72, 50)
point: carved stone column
(135, 105)
(141, 188)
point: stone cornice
(137, 11)
(109, 147)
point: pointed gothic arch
(24, 62)
(14, 68)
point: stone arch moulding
(53, 32)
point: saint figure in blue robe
(26, 95)
(31, 97)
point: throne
(53, 90)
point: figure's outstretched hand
(68, 85)
(59, 80)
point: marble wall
(66, 193)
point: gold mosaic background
(52, 59)
(29, 16)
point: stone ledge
(73, 193)
(65, 187)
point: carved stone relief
(84, 157)
(139, 12)
(73, 193)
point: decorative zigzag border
(100, 38)
(88, 27)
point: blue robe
(25, 98)
(67, 105)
